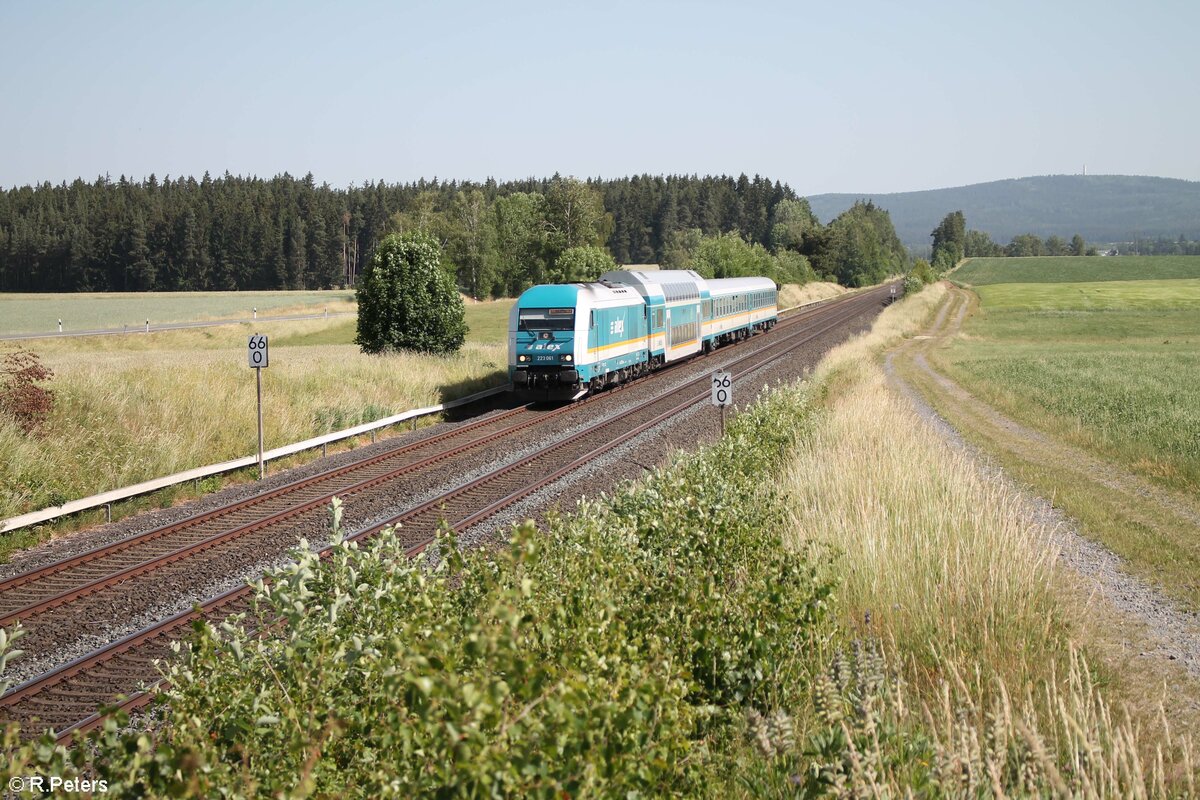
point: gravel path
(1173, 634)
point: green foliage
(943, 261)
(794, 223)
(979, 244)
(614, 654)
(1024, 246)
(471, 243)
(860, 247)
(520, 251)
(731, 256)
(949, 241)
(1054, 246)
(406, 301)
(681, 248)
(792, 267)
(577, 264)
(920, 276)
(239, 233)
(575, 216)
(1078, 245)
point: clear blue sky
(830, 97)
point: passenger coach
(567, 340)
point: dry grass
(974, 738)
(946, 566)
(793, 294)
(916, 526)
(139, 407)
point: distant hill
(1101, 208)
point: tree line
(952, 242)
(497, 238)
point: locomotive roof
(573, 294)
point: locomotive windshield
(546, 319)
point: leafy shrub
(923, 272)
(406, 301)
(21, 398)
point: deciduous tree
(578, 264)
(406, 301)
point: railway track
(62, 698)
(54, 585)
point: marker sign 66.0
(722, 388)
(256, 351)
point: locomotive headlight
(568, 357)
(522, 358)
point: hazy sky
(830, 97)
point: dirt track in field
(1139, 624)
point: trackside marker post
(722, 393)
(258, 358)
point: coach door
(667, 332)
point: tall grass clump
(958, 673)
(795, 294)
(918, 530)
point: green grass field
(983, 271)
(487, 323)
(39, 313)
(1111, 366)
(1155, 295)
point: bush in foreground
(614, 654)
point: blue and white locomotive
(567, 340)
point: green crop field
(39, 313)
(1183, 293)
(1111, 366)
(983, 271)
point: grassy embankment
(39, 313)
(131, 408)
(1109, 369)
(941, 563)
(793, 294)
(669, 641)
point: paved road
(170, 326)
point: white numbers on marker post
(256, 350)
(722, 389)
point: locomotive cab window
(546, 319)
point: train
(568, 340)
